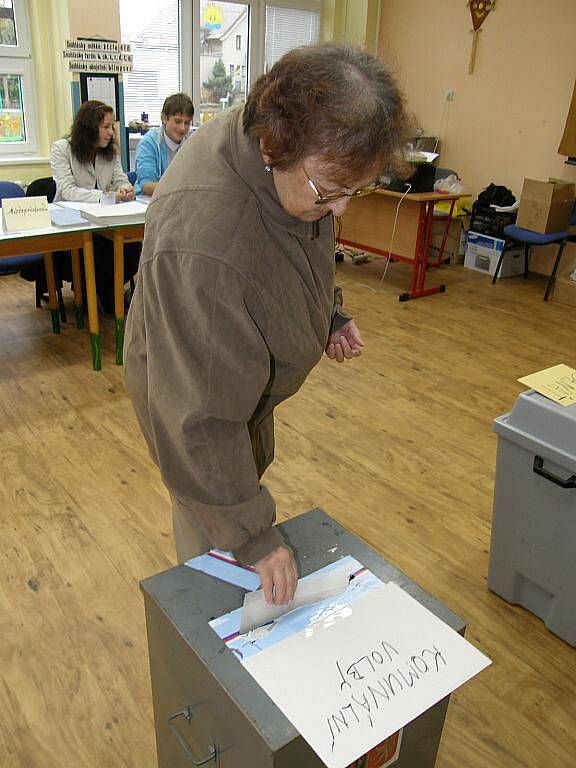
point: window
(213, 49)
(288, 28)
(17, 128)
(152, 29)
(234, 42)
(222, 26)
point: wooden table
(48, 241)
(369, 221)
(121, 234)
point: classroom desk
(369, 221)
(121, 234)
(48, 241)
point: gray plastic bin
(533, 549)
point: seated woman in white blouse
(85, 165)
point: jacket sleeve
(147, 161)
(339, 315)
(119, 178)
(207, 367)
(66, 183)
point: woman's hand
(125, 195)
(278, 576)
(345, 343)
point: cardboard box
(483, 252)
(455, 246)
(565, 291)
(546, 206)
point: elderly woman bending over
(236, 300)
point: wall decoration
(213, 17)
(479, 10)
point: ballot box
(534, 513)
(209, 710)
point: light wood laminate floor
(397, 446)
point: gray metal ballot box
(208, 709)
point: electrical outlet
(449, 95)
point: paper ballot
(557, 383)
(310, 589)
(354, 668)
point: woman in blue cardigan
(159, 146)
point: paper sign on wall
(23, 213)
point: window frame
(17, 60)
(255, 43)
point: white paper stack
(133, 212)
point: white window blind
(152, 28)
(288, 28)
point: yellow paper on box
(557, 383)
(23, 213)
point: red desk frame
(358, 232)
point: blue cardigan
(151, 158)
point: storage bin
(533, 546)
(208, 709)
(483, 252)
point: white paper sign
(349, 683)
(23, 213)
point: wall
(355, 21)
(95, 19)
(507, 118)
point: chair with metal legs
(529, 239)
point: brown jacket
(232, 309)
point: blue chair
(13, 265)
(132, 177)
(530, 238)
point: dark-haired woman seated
(85, 165)
(236, 299)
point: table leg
(420, 263)
(77, 282)
(53, 300)
(119, 294)
(93, 325)
(440, 260)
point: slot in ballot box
(208, 709)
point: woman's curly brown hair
(84, 134)
(335, 101)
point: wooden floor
(397, 446)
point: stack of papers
(65, 217)
(422, 157)
(121, 213)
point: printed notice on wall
(557, 383)
(359, 669)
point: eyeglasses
(330, 198)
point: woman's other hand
(345, 343)
(125, 195)
(278, 576)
